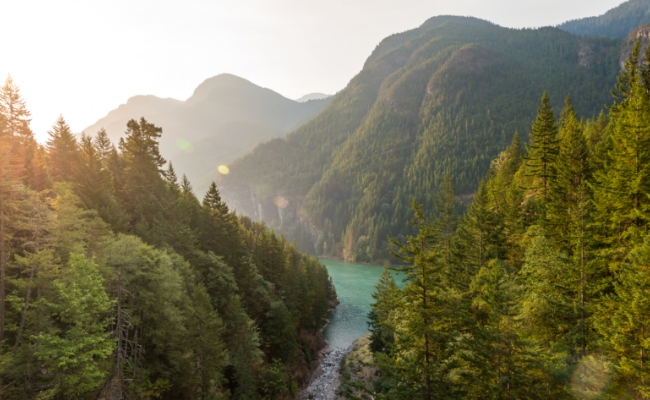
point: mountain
(615, 23)
(225, 118)
(641, 33)
(115, 121)
(447, 96)
(313, 96)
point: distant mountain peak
(313, 96)
(149, 98)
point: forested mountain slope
(541, 289)
(616, 23)
(117, 282)
(225, 118)
(447, 96)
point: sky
(81, 58)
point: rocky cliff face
(643, 33)
(592, 53)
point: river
(354, 285)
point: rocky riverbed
(326, 378)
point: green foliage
(446, 97)
(545, 293)
(116, 282)
(616, 23)
(543, 149)
(76, 357)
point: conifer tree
(622, 185)
(573, 171)
(142, 191)
(445, 204)
(62, 151)
(502, 360)
(477, 240)
(172, 180)
(629, 75)
(424, 339)
(550, 309)
(543, 149)
(186, 186)
(623, 319)
(14, 111)
(381, 324)
(9, 191)
(94, 185)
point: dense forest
(615, 23)
(541, 290)
(447, 96)
(117, 282)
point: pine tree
(62, 151)
(622, 185)
(573, 171)
(623, 320)
(446, 221)
(14, 111)
(424, 338)
(550, 310)
(94, 185)
(380, 323)
(502, 361)
(626, 80)
(142, 190)
(478, 239)
(543, 149)
(172, 180)
(10, 182)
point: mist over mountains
(445, 97)
(225, 118)
(313, 96)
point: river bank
(343, 373)
(347, 322)
(326, 379)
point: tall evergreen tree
(142, 191)
(62, 151)
(543, 149)
(622, 185)
(14, 111)
(382, 326)
(424, 343)
(573, 172)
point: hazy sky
(82, 58)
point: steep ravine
(354, 285)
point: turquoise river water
(354, 285)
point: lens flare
(591, 377)
(184, 145)
(281, 202)
(223, 169)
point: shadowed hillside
(225, 117)
(447, 96)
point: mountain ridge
(615, 23)
(446, 97)
(224, 118)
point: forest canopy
(541, 288)
(117, 282)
